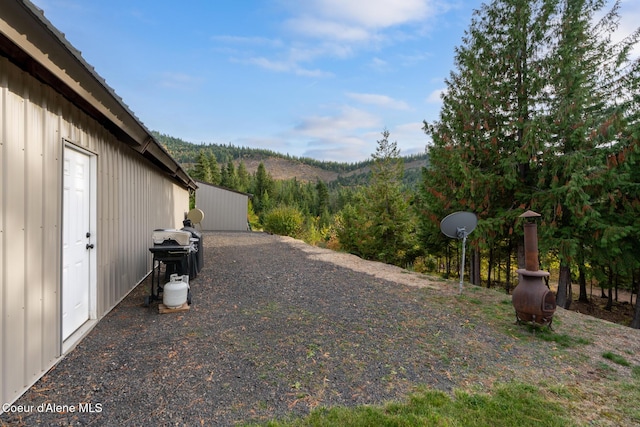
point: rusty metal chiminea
(532, 299)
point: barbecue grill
(197, 257)
(175, 249)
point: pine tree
(244, 179)
(379, 224)
(216, 177)
(322, 204)
(262, 186)
(202, 170)
(230, 178)
(387, 206)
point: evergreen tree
(244, 180)
(322, 204)
(262, 186)
(230, 178)
(524, 124)
(388, 206)
(483, 156)
(381, 225)
(216, 177)
(202, 170)
(582, 119)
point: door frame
(70, 342)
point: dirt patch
(620, 313)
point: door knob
(89, 245)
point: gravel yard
(278, 328)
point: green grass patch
(508, 405)
(563, 340)
(616, 358)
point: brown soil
(621, 312)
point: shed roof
(30, 40)
(202, 183)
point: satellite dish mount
(459, 225)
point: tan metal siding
(13, 226)
(224, 210)
(133, 198)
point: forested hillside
(284, 166)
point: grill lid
(181, 237)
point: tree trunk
(609, 305)
(563, 297)
(507, 284)
(489, 267)
(521, 261)
(474, 268)
(582, 279)
(635, 323)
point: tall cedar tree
(584, 119)
(528, 121)
(483, 155)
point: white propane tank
(176, 291)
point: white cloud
(287, 66)
(379, 100)
(180, 81)
(349, 149)
(354, 21)
(348, 119)
(323, 29)
(240, 40)
(379, 64)
(320, 29)
(630, 17)
(344, 136)
(435, 97)
(374, 13)
(410, 137)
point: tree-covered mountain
(284, 166)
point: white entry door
(77, 241)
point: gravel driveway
(276, 328)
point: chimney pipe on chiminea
(532, 300)
(531, 262)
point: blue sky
(312, 78)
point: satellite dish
(459, 225)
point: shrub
(284, 220)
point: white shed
(83, 184)
(224, 209)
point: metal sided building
(82, 184)
(224, 209)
